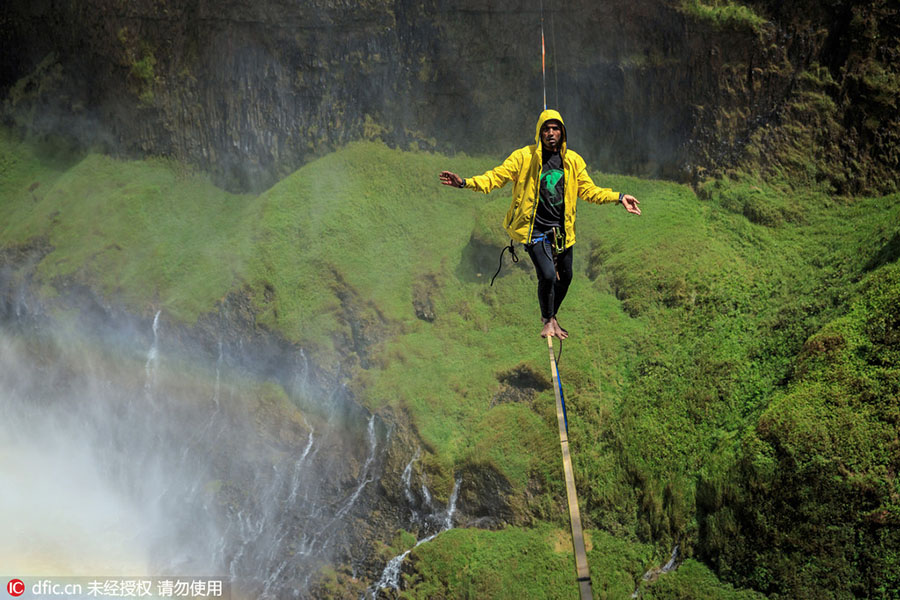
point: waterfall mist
(129, 449)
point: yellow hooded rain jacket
(523, 168)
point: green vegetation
(46, 79)
(139, 57)
(732, 379)
(815, 479)
(537, 563)
(723, 13)
(142, 232)
(522, 563)
(694, 581)
(513, 563)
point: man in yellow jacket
(547, 181)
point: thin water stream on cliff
(390, 577)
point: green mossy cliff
(732, 378)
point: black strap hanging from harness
(515, 259)
(557, 245)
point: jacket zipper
(537, 196)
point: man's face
(551, 135)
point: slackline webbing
(581, 565)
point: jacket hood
(548, 115)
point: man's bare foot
(560, 332)
(548, 329)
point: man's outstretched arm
(587, 190)
(490, 180)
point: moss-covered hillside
(732, 377)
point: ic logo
(15, 587)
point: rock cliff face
(671, 88)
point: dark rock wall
(252, 90)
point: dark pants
(551, 290)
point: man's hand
(631, 204)
(448, 178)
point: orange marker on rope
(544, 63)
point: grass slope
(733, 355)
(141, 232)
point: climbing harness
(512, 253)
(557, 240)
(583, 575)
